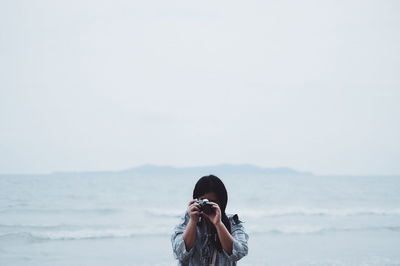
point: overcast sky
(109, 85)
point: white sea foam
(65, 232)
(289, 211)
(78, 211)
(301, 211)
(83, 234)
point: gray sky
(108, 85)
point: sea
(99, 219)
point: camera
(204, 207)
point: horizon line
(193, 166)
(152, 165)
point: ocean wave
(287, 211)
(304, 230)
(52, 227)
(78, 235)
(245, 212)
(251, 213)
(88, 234)
(67, 211)
(168, 213)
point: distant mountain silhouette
(247, 169)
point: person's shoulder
(234, 219)
(183, 218)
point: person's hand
(193, 210)
(215, 217)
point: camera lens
(204, 207)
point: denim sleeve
(239, 247)
(178, 244)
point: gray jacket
(201, 252)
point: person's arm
(225, 237)
(189, 236)
(234, 244)
(183, 249)
(239, 246)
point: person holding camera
(205, 234)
